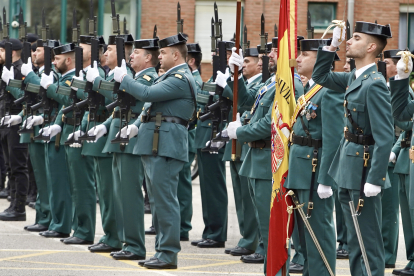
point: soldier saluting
(360, 164)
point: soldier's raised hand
(324, 191)
(27, 67)
(221, 80)
(371, 190)
(97, 131)
(236, 59)
(7, 74)
(338, 36)
(11, 120)
(120, 72)
(402, 68)
(92, 73)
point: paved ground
(24, 253)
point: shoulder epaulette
(178, 76)
(146, 77)
(68, 82)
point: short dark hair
(154, 56)
(380, 41)
(197, 58)
(182, 48)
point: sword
(361, 242)
(310, 230)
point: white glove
(33, 121)
(233, 126)
(401, 74)
(214, 145)
(75, 135)
(11, 120)
(51, 131)
(338, 34)
(236, 59)
(97, 131)
(324, 191)
(27, 68)
(221, 79)
(7, 74)
(224, 133)
(92, 73)
(371, 190)
(46, 80)
(129, 131)
(120, 72)
(393, 157)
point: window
(322, 14)
(406, 37)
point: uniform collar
(140, 72)
(253, 78)
(41, 68)
(363, 69)
(311, 82)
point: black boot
(4, 193)
(17, 212)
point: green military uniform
(402, 105)
(57, 177)
(325, 132)
(128, 176)
(37, 154)
(368, 101)
(170, 96)
(245, 210)
(80, 167)
(212, 177)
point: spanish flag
(282, 110)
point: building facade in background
(142, 15)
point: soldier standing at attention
(360, 164)
(163, 142)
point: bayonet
(36, 33)
(75, 28)
(217, 25)
(115, 19)
(213, 37)
(275, 30)
(22, 27)
(125, 26)
(154, 34)
(92, 20)
(1, 29)
(246, 43)
(310, 29)
(180, 22)
(5, 25)
(263, 36)
(44, 26)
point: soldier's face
(39, 55)
(110, 56)
(357, 46)
(228, 53)
(2, 55)
(33, 57)
(306, 62)
(86, 53)
(60, 63)
(347, 66)
(273, 60)
(139, 58)
(167, 58)
(391, 68)
(251, 67)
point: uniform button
(228, 98)
(209, 124)
(261, 104)
(308, 155)
(373, 72)
(357, 153)
(365, 76)
(354, 109)
(383, 179)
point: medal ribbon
(260, 96)
(303, 100)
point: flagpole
(236, 77)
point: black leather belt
(306, 141)
(359, 138)
(405, 144)
(70, 121)
(261, 144)
(117, 115)
(168, 119)
(100, 118)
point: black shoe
(92, 245)
(63, 239)
(254, 258)
(184, 239)
(103, 248)
(36, 228)
(208, 243)
(407, 272)
(115, 252)
(389, 265)
(76, 240)
(142, 262)
(30, 198)
(342, 254)
(4, 193)
(295, 268)
(240, 251)
(126, 255)
(147, 208)
(9, 198)
(150, 231)
(13, 215)
(197, 242)
(29, 226)
(53, 234)
(158, 264)
(398, 271)
(32, 205)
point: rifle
(348, 36)
(246, 43)
(310, 29)
(263, 50)
(275, 30)
(382, 66)
(46, 103)
(28, 97)
(5, 96)
(180, 22)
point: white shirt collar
(196, 70)
(41, 68)
(141, 71)
(110, 72)
(70, 71)
(174, 67)
(311, 82)
(274, 78)
(362, 70)
(253, 78)
(86, 68)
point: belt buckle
(366, 158)
(361, 202)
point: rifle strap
(194, 116)
(57, 142)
